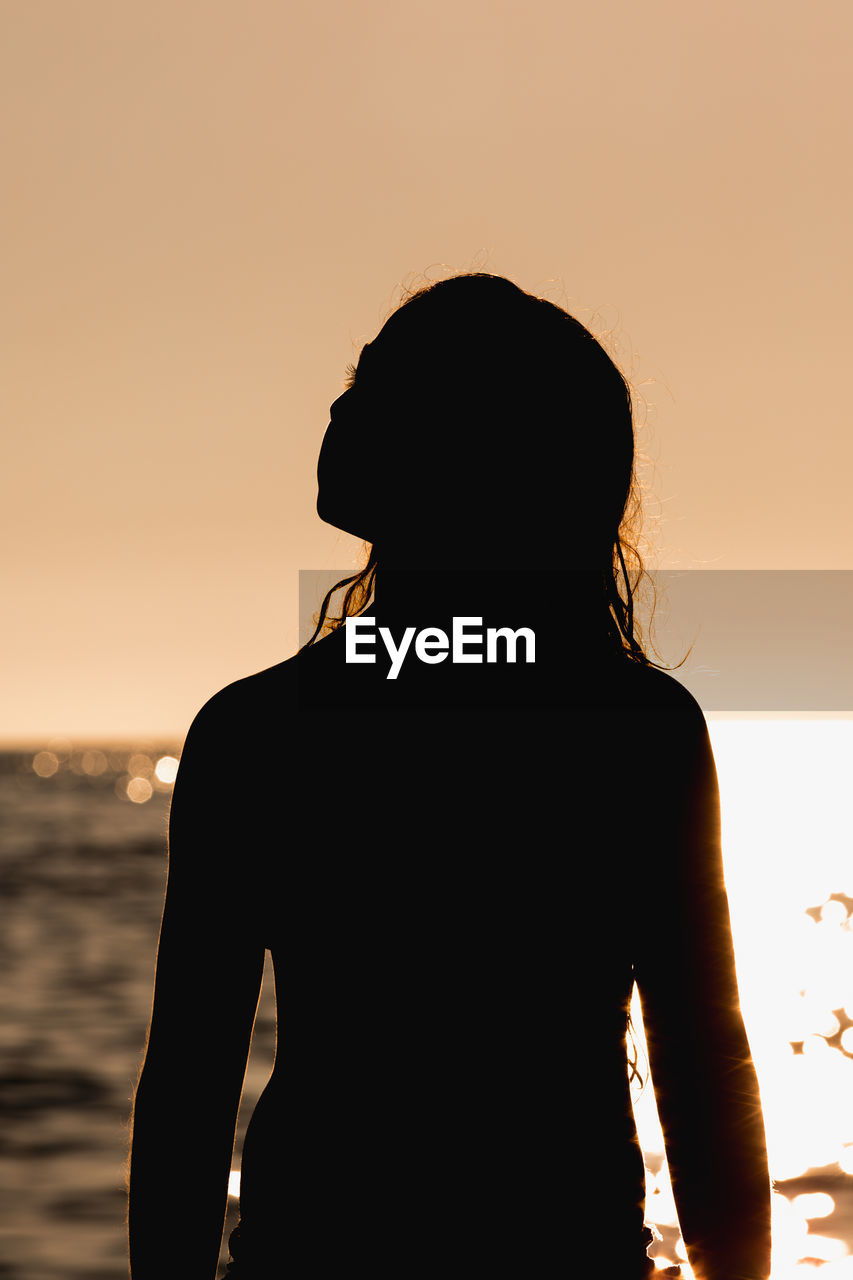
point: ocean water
(83, 876)
(83, 866)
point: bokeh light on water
(139, 790)
(166, 769)
(140, 774)
(94, 763)
(45, 764)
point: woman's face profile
(358, 466)
(342, 484)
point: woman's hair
(501, 411)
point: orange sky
(208, 207)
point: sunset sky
(208, 207)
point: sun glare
(788, 858)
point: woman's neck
(559, 600)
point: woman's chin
(339, 518)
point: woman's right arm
(703, 1075)
(210, 963)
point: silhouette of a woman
(460, 867)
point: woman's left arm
(210, 962)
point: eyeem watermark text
(433, 645)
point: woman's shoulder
(657, 697)
(653, 686)
(252, 699)
(227, 708)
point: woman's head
(483, 425)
